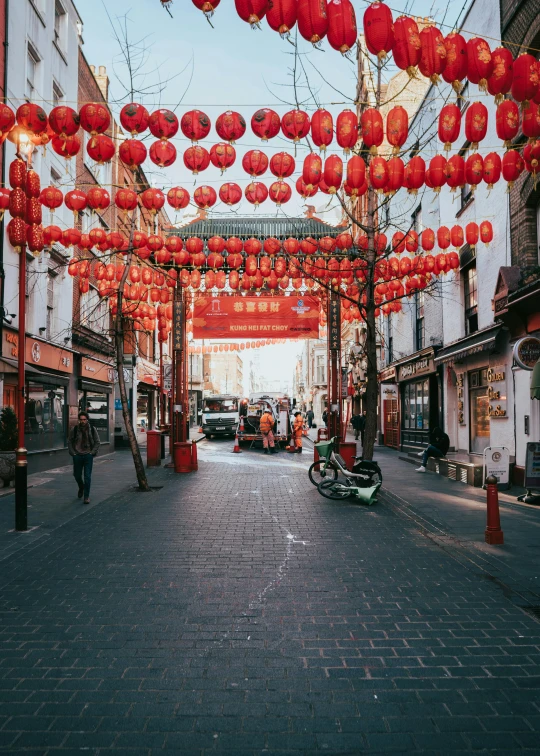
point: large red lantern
(64, 121)
(407, 47)
(415, 172)
(282, 165)
(230, 194)
(32, 118)
(196, 158)
(342, 31)
(479, 62)
(281, 16)
(471, 234)
(500, 81)
(251, 246)
(230, 126)
(312, 170)
(303, 190)
(255, 162)
(456, 60)
(449, 125)
(379, 29)
(346, 130)
(195, 125)
(34, 213)
(75, 201)
(486, 232)
(133, 153)
(312, 20)
(295, 125)
(265, 123)
(396, 175)
(531, 121)
(153, 200)
(433, 56)
(272, 246)
(356, 172)
(507, 121)
(50, 197)
(455, 172)
(16, 230)
(437, 172)
(443, 237)
(178, 198)
(95, 118)
(378, 173)
(125, 199)
(474, 170)
(251, 11)
(280, 192)
(371, 126)
(476, 120)
(66, 148)
(525, 80)
(222, 155)
(52, 235)
(456, 236)
(492, 169)
(512, 167)
(322, 128)
(134, 118)
(255, 193)
(333, 173)
(163, 124)
(206, 6)
(7, 120)
(163, 153)
(397, 128)
(427, 239)
(101, 149)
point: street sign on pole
(334, 324)
(167, 376)
(178, 325)
(497, 463)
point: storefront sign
(389, 391)
(497, 463)
(460, 379)
(334, 324)
(388, 374)
(269, 317)
(527, 352)
(496, 377)
(412, 369)
(167, 376)
(178, 325)
(45, 355)
(532, 466)
(96, 370)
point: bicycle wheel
(335, 490)
(317, 473)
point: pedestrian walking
(363, 428)
(297, 432)
(83, 445)
(309, 417)
(325, 417)
(438, 447)
(266, 426)
(356, 422)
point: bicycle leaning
(363, 482)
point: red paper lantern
(196, 158)
(35, 240)
(7, 120)
(378, 173)
(33, 214)
(71, 237)
(251, 11)
(95, 118)
(281, 16)
(433, 54)
(371, 126)
(222, 155)
(492, 169)
(280, 192)
(230, 126)
(407, 47)
(333, 173)
(312, 20)
(125, 199)
(455, 172)
(427, 239)
(311, 171)
(163, 153)
(531, 121)
(174, 244)
(397, 127)
(205, 197)
(379, 29)
(66, 148)
(16, 231)
(449, 125)
(356, 172)
(507, 121)
(396, 175)
(265, 123)
(195, 125)
(206, 6)
(163, 124)
(133, 153)
(346, 130)
(178, 198)
(302, 188)
(64, 121)
(295, 125)
(512, 167)
(75, 201)
(32, 118)
(255, 193)
(486, 232)
(230, 194)
(479, 62)
(101, 149)
(456, 236)
(282, 165)
(415, 171)
(255, 162)
(153, 200)
(50, 197)
(437, 172)
(52, 235)
(443, 237)
(322, 128)
(96, 236)
(471, 234)
(500, 81)
(456, 60)
(476, 121)
(342, 31)
(525, 80)
(134, 118)
(251, 246)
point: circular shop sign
(527, 352)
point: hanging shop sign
(239, 317)
(167, 376)
(527, 352)
(497, 463)
(496, 377)
(96, 370)
(460, 383)
(178, 325)
(419, 367)
(334, 324)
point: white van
(220, 415)
(251, 410)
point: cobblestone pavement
(234, 611)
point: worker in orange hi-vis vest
(297, 432)
(266, 426)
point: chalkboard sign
(532, 466)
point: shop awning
(8, 365)
(535, 381)
(481, 341)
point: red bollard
(153, 449)
(493, 534)
(182, 457)
(194, 461)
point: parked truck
(251, 410)
(220, 415)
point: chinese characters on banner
(256, 317)
(178, 325)
(334, 324)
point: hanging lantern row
(234, 347)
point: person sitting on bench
(438, 447)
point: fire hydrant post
(493, 534)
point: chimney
(102, 81)
(310, 211)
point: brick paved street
(236, 611)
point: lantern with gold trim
(500, 81)
(476, 121)
(492, 169)
(222, 156)
(456, 61)
(407, 48)
(379, 29)
(230, 194)
(295, 125)
(371, 127)
(195, 125)
(449, 125)
(312, 20)
(433, 54)
(342, 31)
(479, 62)
(265, 124)
(230, 126)
(507, 121)
(512, 167)
(397, 128)
(346, 130)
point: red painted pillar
(493, 534)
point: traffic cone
(201, 430)
(241, 424)
(237, 449)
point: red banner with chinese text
(294, 317)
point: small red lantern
(64, 121)
(346, 130)
(163, 153)
(230, 194)
(342, 31)
(133, 153)
(512, 167)
(471, 234)
(7, 120)
(378, 173)
(281, 16)
(95, 118)
(196, 158)
(356, 172)
(206, 6)
(66, 148)
(479, 62)
(178, 198)
(251, 11)
(163, 124)
(255, 162)
(311, 171)
(531, 121)
(476, 121)
(322, 128)
(455, 172)
(492, 169)
(433, 58)
(456, 236)
(500, 81)
(312, 20)
(195, 125)
(222, 155)
(295, 125)
(525, 80)
(396, 175)
(153, 200)
(51, 197)
(282, 165)
(302, 188)
(415, 171)
(427, 239)
(456, 60)
(52, 235)
(371, 126)
(486, 232)
(280, 192)
(125, 199)
(230, 126)
(437, 172)
(255, 193)
(397, 128)
(32, 118)
(407, 47)
(101, 149)
(507, 121)
(333, 173)
(379, 29)
(443, 237)
(449, 125)
(134, 118)
(265, 124)
(75, 201)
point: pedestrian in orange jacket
(266, 426)
(298, 427)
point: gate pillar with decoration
(334, 365)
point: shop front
(389, 418)
(95, 395)
(419, 399)
(147, 397)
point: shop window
(321, 369)
(57, 95)
(390, 339)
(470, 291)
(94, 312)
(45, 417)
(51, 276)
(479, 411)
(32, 70)
(416, 406)
(416, 220)
(97, 406)
(419, 320)
(466, 194)
(60, 22)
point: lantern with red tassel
(371, 126)
(456, 61)
(492, 169)
(479, 62)
(525, 80)
(397, 128)
(476, 121)
(255, 193)
(312, 20)
(222, 155)
(295, 125)
(407, 47)
(507, 121)
(449, 125)
(379, 29)
(163, 124)
(342, 31)
(195, 125)
(322, 128)
(66, 148)
(500, 81)
(196, 158)
(230, 194)
(433, 55)
(265, 123)
(134, 118)
(255, 162)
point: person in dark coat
(309, 417)
(325, 417)
(358, 423)
(438, 447)
(83, 445)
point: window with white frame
(51, 296)
(57, 95)
(60, 20)
(94, 311)
(320, 373)
(32, 70)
